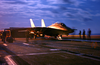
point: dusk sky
(80, 14)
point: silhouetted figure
(89, 34)
(27, 36)
(3, 36)
(80, 34)
(31, 36)
(83, 34)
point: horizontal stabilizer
(42, 23)
(32, 24)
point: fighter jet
(56, 30)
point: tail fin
(32, 24)
(42, 23)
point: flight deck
(43, 51)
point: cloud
(45, 6)
(54, 11)
(98, 14)
(69, 15)
(71, 2)
(0, 16)
(32, 8)
(24, 8)
(77, 14)
(63, 8)
(38, 9)
(93, 0)
(3, 24)
(87, 19)
(13, 8)
(15, 2)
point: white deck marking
(9, 60)
(37, 53)
(55, 49)
(5, 44)
(25, 43)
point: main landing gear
(59, 37)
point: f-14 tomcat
(56, 30)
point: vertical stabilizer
(32, 24)
(42, 23)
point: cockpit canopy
(61, 24)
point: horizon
(86, 34)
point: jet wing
(54, 32)
(21, 32)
